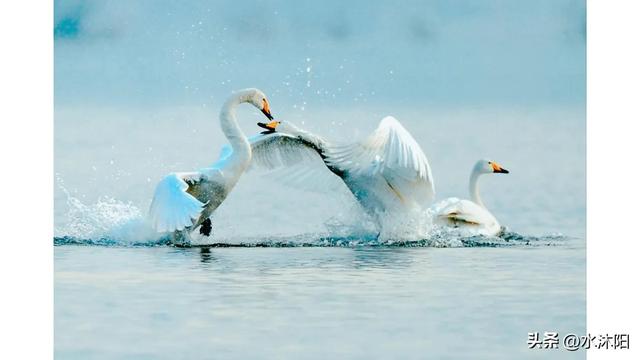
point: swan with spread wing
(184, 201)
(387, 171)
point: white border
(613, 183)
(26, 259)
(26, 180)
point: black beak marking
(264, 126)
(502, 171)
(267, 114)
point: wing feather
(295, 161)
(390, 152)
(173, 208)
(280, 149)
(465, 211)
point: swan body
(471, 215)
(185, 200)
(387, 171)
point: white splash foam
(108, 218)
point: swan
(471, 214)
(387, 171)
(184, 200)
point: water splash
(406, 226)
(438, 238)
(107, 222)
(111, 222)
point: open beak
(270, 126)
(265, 110)
(497, 169)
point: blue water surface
(316, 303)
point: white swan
(183, 201)
(471, 214)
(387, 171)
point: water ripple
(508, 239)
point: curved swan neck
(474, 188)
(230, 127)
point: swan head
(486, 166)
(256, 98)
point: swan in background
(471, 214)
(386, 172)
(183, 201)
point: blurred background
(322, 53)
(138, 86)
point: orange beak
(498, 169)
(270, 126)
(265, 109)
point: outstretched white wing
(280, 149)
(295, 160)
(390, 152)
(273, 150)
(173, 208)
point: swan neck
(231, 129)
(474, 188)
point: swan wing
(291, 159)
(392, 153)
(173, 208)
(467, 212)
(273, 150)
(294, 161)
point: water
(166, 303)
(300, 273)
